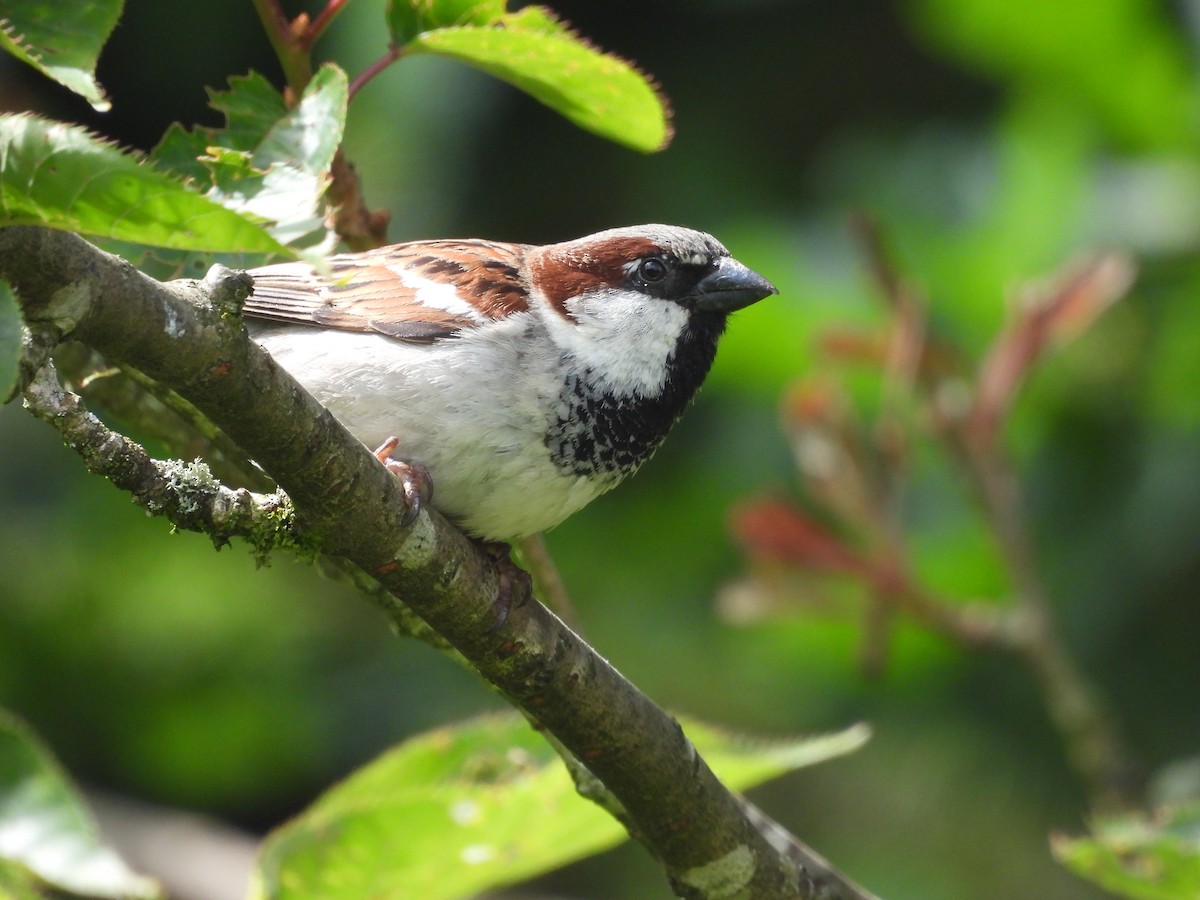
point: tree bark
(188, 335)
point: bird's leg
(414, 479)
(516, 587)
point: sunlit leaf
(252, 105)
(1146, 858)
(61, 176)
(408, 18)
(460, 810)
(268, 161)
(596, 91)
(62, 40)
(535, 18)
(284, 178)
(46, 830)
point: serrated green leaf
(1145, 858)
(463, 809)
(408, 18)
(596, 91)
(251, 107)
(308, 136)
(61, 176)
(535, 18)
(269, 161)
(297, 153)
(62, 40)
(10, 340)
(45, 828)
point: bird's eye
(652, 269)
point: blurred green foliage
(47, 829)
(1135, 856)
(992, 141)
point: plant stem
(289, 48)
(1093, 743)
(323, 20)
(394, 52)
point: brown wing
(412, 292)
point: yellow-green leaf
(407, 18)
(472, 807)
(1135, 856)
(45, 829)
(61, 176)
(595, 90)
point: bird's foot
(415, 482)
(516, 586)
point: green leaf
(598, 92)
(10, 340)
(464, 809)
(295, 156)
(407, 18)
(1154, 858)
(268, 162)
(62, 40)
(251, 106)
(536, 18)
(46, 830)
(61, 176)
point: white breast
(473, 409)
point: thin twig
(394, 52)
(1093, 742)
(547, 581)
(1027, 630)
(322, 21)
(186, 494)
(293, 57)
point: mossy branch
(188, 335)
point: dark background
(993, 142)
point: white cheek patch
(625, 338)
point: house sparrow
(526, 380)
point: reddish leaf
(1049, 315)
(776, 531)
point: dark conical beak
(731, 286)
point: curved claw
(415, 481)
(516, 586)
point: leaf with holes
(1148, 858)
(469, 808)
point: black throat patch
(608, 436)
